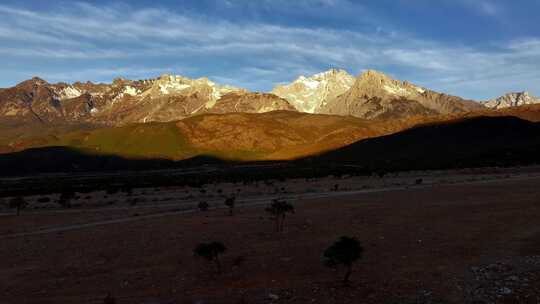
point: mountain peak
(375, 83)
(373, 75)
(34, 80)
(377, 95)
(309, 94)
(513, 99)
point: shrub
(230, 202)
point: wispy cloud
(255, 54)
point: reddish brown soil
(420, 245)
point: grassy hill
(237, 136)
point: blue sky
(472, 48)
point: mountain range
(175, 117)
(371, 95)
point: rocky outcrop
(249, 103)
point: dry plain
(468, 236)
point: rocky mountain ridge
(166, 98)
(375, 95)
(371, 95)
(512, 100)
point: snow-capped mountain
(512, 100)
(372, 95)
(309, 94)
(167, 98)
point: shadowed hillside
(479, 141)
(472, 142)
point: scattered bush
(210, 252)
(345, 251)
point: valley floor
(469, 236)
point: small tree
(279, 209)
(65, 199)
(229, 202)
(345, 251)
(210, 251)
(203, 206)
(18, 203)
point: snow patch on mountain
(395, 90)
(129, 90)
(308, 94)
(70, 92)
